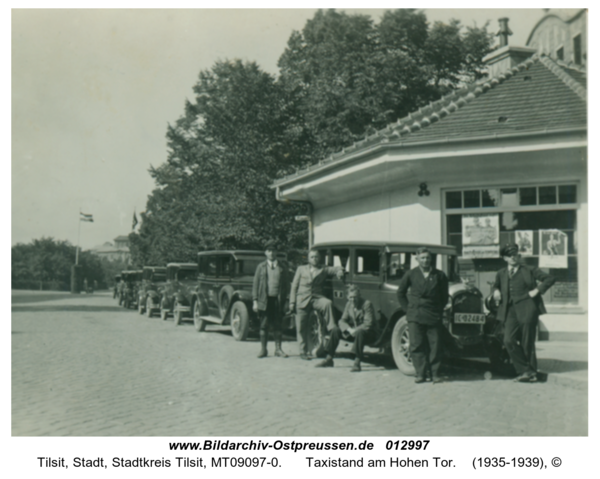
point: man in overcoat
(518, 289)
(358, 323)
(423, 294)
(307, 294)
(269, 297)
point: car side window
(225, 266)
(367, 262)
(341, 257)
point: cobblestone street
(83, 366)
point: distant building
(562, 35)
(119, 251)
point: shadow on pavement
(68, 308)
(560, 366)
(32, 297)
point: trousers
(425, 348)
(323, 306)
(270, 319)
(519, 336)
(361, 338)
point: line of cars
(217, 289)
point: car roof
(158, 269)
(390, 246)
(182, 265)
(237, 252)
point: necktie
(512, 270)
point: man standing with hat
(269, 295)
(518, 289)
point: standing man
(307, 294)
(269, 295)
(358, 323)
(424, 304)
(518, 289)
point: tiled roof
(538, 95)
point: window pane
(472, 199)
(453, 199)
(527, 196)
(490, 198)
(510, 197)
(454, 223)
(340, 258)
(547, 195)
(567, 194)
(577, 50)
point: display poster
(553, 249)
(524, 240)
(481, 236)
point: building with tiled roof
(509, 152)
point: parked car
(180, 277)
(153, 280)
(223, 293)
(377, 268)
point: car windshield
(398, 264)
(187, 274)
(158, 277)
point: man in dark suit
(269, 297)
(358, 323)
(518, 289)
(424, 304)
(307, 293)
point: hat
(510, 249)
(271, 245)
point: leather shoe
(305, 357)
(280, 354)
(419, 380)
(525, 378)
(355, 368)
(326, 363)
(262, 354)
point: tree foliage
(342, 77)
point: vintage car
(180, 277)
(223, 293)
(129, 290)
(116, 286)
(377, 268)
(153, 280)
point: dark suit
(424, 304)
(270, 308)
(364, 322)
(520, 312)
(307, 293)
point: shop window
(367, 262)
(490, 198)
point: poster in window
(481, 236)
(524, 241)
(553, 249)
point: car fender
(239, 295)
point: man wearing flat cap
(269, 297)
(518, 289)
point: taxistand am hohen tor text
(393, 462)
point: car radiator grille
(466, 303)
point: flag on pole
(84, 217)
(135, 221)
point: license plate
(469, 318)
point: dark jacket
(425, 301)
(533, 277)
(363, 318)
(259, 286)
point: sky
(94, 90)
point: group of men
(422, 294)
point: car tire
(240, 321)
(176, 314)
(149, 305)
(317, 335)
(224, 305)
(199, 311)
(401, 348)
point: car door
(366, 273)
(339, 257)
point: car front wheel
(240, 321)
(401, 348)
(199, 311)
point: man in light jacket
(307, 294)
